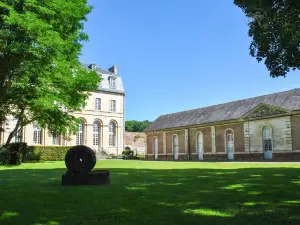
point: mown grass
(153, 193)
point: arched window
(199, 145)
(112, 82)
(267, 138)
(37, 134)
(155, 147)
(112, 133)
(18, 136)
(229, 141)
(96, 133)
(98, 104)
(175, 146)
(80, 134)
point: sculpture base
(97, 177)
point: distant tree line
(136, 126)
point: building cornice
(225, 122)
(109, 91)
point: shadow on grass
(144, 196)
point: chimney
(92, 66)
(113, 69)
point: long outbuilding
(263, 127)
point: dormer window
(92, 66)
(112, 82)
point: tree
(41, 78)
(275, 31)
(136, 126)
(129, 125)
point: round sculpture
(80, 159)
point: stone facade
(295, 123)
(103, 114)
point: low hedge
(4, 156)
(17, 152)
(139, 156)
(13, 153)
(46, 153)
(127, 154)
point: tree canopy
(136, 126)
(274, 27)
(41, 78)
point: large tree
(41, 78)
(274, 26)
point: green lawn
(153, 193)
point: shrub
(47, 153)
(17, 152)
(127, 154)
(4, 156)
(139, 156)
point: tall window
(113, 105)
(96, 133)
(112, 82)
(199, 144)
(18, 136)
(155, 147)
(56, 139)
(175, 146)
(79, 136)
(267, 138)
(112, 133)
(229, 141)
(97, 104)
(37, 134)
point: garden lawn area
(143, 192)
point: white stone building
(102, 119)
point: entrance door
(175, 147)
(229, 144)
(199, 144)
(155, 145)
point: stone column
(186, 131)
(164, 143)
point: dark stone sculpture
(80, 160)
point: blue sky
(176, 55)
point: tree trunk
(13, 133)
(16, 129)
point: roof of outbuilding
(289, 100)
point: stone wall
(136, 141)
(206, 131)
(295, 123)
(238, 131)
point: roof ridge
(168, 114)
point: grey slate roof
(98, 69)
(104, 84)
(289, 100)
